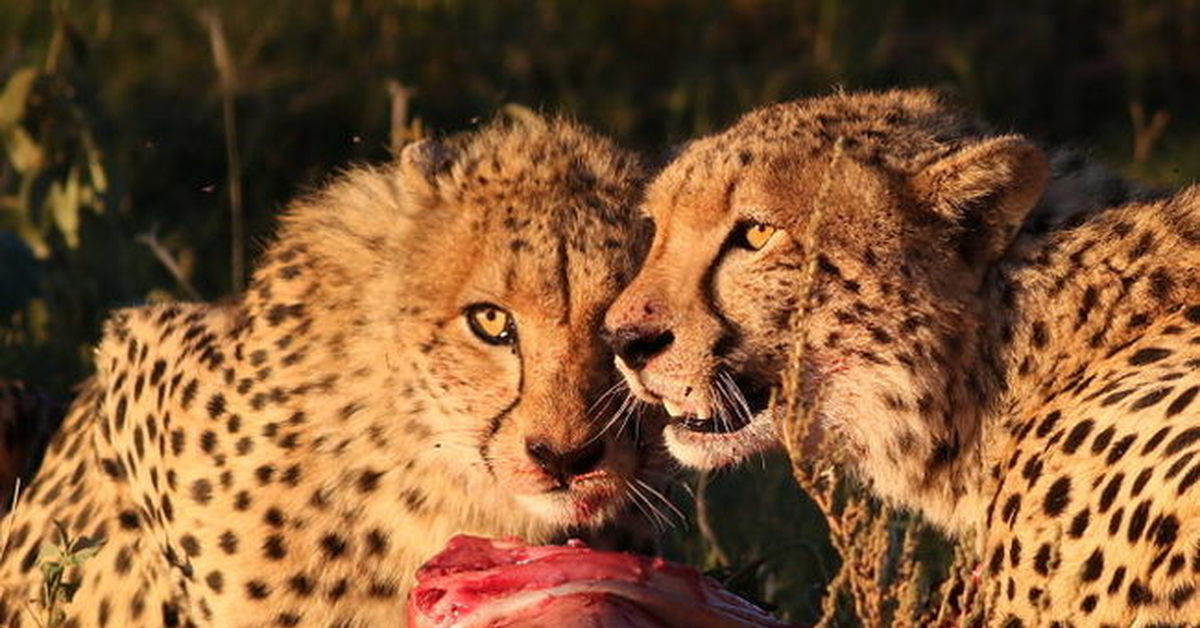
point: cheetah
(1029, 390)
(416, 357)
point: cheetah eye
(754, 235)
(491, 323)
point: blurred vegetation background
(134, 132)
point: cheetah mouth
(738, 425)
(582, 501)
(740, 400)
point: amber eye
(491, 323)
(756, 235)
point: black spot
(1183, 439)
(1137, 521)
(1139, 595)
(128, 520)
(1181, 595)
(301, 585)
(368, 480)
(156, 373)
(1114, 522)
(414, 499)
(1102, 440)
(333, 545)
(1115, 398)
(1148, 355)
(190, 545)
(124, 560)
(1011, 507)
(338, 590)
(1077, 435)
(1167, 532)
(381, 590)
(274, 548)
(257, 590)
(377, 542)
(119, 418)
(1079, 523)
(1118, 577)
(1155, 440)
(1048, 424)
(1182, 401)
(1188, 480)
(1179, 465)
(1089, 604)
(1093, 567)
(177, 441)
(997, 561)
(1140, 481)
(208, 441)
(1150, 398)
(202, 491)
(216, 581)
(189, 393)
(274, 517)
(1058, 497)
(264, 474)
(1119, 448)
(228, 542)
(1038, 334)
(1041, 560)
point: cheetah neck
(1079, 296)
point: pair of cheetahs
(426, 349)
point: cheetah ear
(986, 189)
(421, 163)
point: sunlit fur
(289, 457)
(1027, 383)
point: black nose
(564, 466)
(638, 345)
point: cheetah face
(520, 409)
(701, 329)
(710, 325)
(524, 396)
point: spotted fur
(1029, 387)
(288, 458)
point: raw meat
(485, 583)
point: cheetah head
(489, 262)
(911, 216)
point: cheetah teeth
(672, 409)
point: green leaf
(15, 95)
(24, 153)
(64, 207)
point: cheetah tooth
(672, 409)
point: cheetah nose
(637, 345)
(564, 466)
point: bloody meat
(478, 583)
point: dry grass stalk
(860, 527)
(402, 129)
(150, 239)
(11, 516)
(228, 84)
(1146, 133)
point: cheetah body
(291, 457)
(1024, 381)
